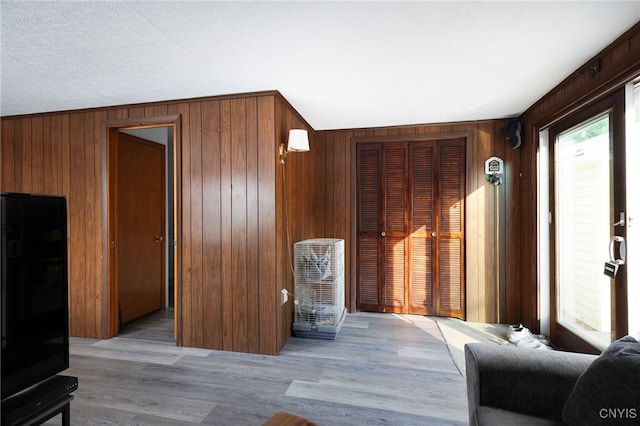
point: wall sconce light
(298, 142)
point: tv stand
(40, 403)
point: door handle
(434, 234)
(158, 239)
(621, 221)
(623, 250)
(383, 234)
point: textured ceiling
(340, 64)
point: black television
(34, 304)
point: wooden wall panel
(7, 156)
(511, 240)
(239, 214)
(186, 315)
(485, 211)
(489, 274)
(37, 155)
(78, 225)
(298, 203)
(192, 173)
(226, 224)
(251, 228)
(25, 143)
(37, 159)
(269, 236)
(231, 240)
(212, 232)
(230, 303)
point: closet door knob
(383, 234)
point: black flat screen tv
(34, 304)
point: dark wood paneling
(37, 156)
(484, 210)
(192, 290)
(183, 286)
(239, 214)
(252, 252)
(232, 244)
(212, 232)
(25, 143)
(93, 208)
(226, 223)
(299, 206)
(269, 270)
(7, 178)
(78, 226)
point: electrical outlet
(284, 296)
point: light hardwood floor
(382, 369)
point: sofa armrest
(528, 381)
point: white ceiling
(340, 64)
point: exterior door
(411, 227)
(589, 216)
(140, 226)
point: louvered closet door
(449, 283)
(369, 251)
(410, 227)
(423, 228)
(382, 225)
(394, 227)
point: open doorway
(142, 199)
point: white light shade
(298, 140)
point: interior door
(140, 226)
(411, 227)
(382, 227)
(423, 228)
(369, 249)
(394, 228)
(445, 287)
(589, 226)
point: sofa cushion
(609, 390)
(492, 416)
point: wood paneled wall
(608, 70)
(60, 154)
(232, 242)
(492, 213)
(228, 233)
(298, 207)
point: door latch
(613, 264)
(621, 221)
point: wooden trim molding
(413, 138)
(605, 72)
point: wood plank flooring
(382, 369)
(157, 326)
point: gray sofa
(507, 385)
